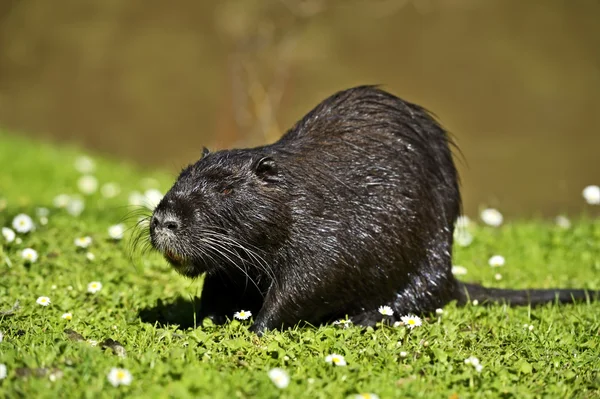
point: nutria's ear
(266, 169)
(205, 152)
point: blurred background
(517, 82)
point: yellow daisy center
(120, 375)
(411, 321)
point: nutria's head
(223, 211)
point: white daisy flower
(92, 342)
(386, 310)
(83, 242)
(116, 231)
(280, 378)
(3, 371)
(592, 195)
(94, 287)
(90, 256)
(61, 201)
(29, 254)
(243, 315)
(84, 164)
(152, 198)
(9, 234)
(75, 206)
(530, 327)
(53, 287)
(67, 316)
(366, 395)
(439, 311)
(110, 190)
(343, 323)
(411, 321)
(496, 261)
(498, 276)
(472, 360)
(22, 223)
(335, 359)
(43, 300)
(562, 222)
(459, 270)
(492, 217)
(475, 302)
(87, 184)
(462, 237)
(1, 336)
(118, 376)
(43, 220)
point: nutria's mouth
(174, 258)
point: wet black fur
(351, 209)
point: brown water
(517, 82)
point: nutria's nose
(164, 222)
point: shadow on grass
(180, 312)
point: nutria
(353, 208)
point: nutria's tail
(471, 292)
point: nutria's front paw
(258, 328)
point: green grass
(149, 309)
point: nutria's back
(374, 190)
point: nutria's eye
(227, 190)
(266, 169)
